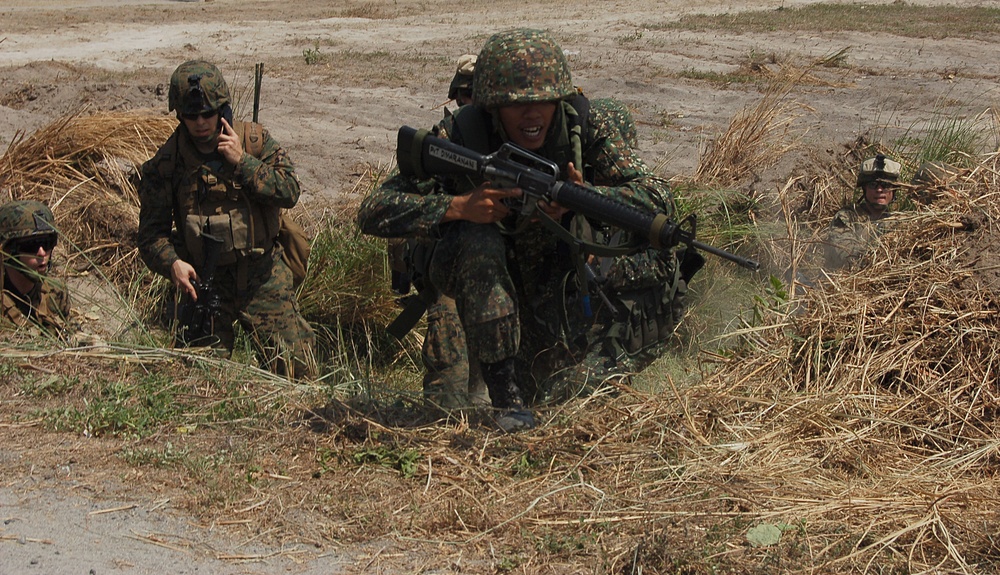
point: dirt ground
(379, 65)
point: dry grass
(81, 166)
(861, 422)
(755, 139)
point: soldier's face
(203, 128)
(527, 124)
(879, 193)
(34, 253)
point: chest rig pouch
(212, 201)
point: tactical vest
(208, 199)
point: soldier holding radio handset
(219, 186)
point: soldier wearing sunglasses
(30, 296)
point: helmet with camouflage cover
(521, 66)
(24, 219)
(197, 86)
(463, 75)
(878, 168)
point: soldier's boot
(505, 395)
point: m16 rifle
(197, 318)
(420, 154)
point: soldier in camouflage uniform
(853, 228)
(510, 288)
(30, 298)
(215, 179)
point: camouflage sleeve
(54, 306)
(403, 207)
(843, 244)
(620, 173)
(156, 219)
(271, 179)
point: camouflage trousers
(452, 379)
(541, 319)
(268, 312)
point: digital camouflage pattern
(25, 218)
(878, 168)
(851, 234)
(269, 182)
(477, 264)
(197, 86)
(520, 66)
(451, 381)
(265, 304)
(616, 113)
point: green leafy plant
(312, 55)
(404, 461)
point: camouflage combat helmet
(878, 168)
(197, 86)
(463, 75)
(520, 66)
(25, 218)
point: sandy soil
(381, 65)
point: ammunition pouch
(232, 228)
(649, 291)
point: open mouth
(532, 132)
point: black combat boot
(505, 395)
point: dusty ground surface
(380, 65)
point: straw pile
(874, 404)
(82, 167)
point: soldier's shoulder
(164, 156)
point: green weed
(313, 56)
(405, 460)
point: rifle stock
(420, 154)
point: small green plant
(404, 461)
(49, 386)
(167, 456)
(313, 55)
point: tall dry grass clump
(755, 139)
(81, 166)
(874, 402)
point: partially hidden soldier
(854, 228)
(460, 89)
(215, 190)
(30, 297)
(516, 281)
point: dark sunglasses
(203, 115)
(31, 245)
